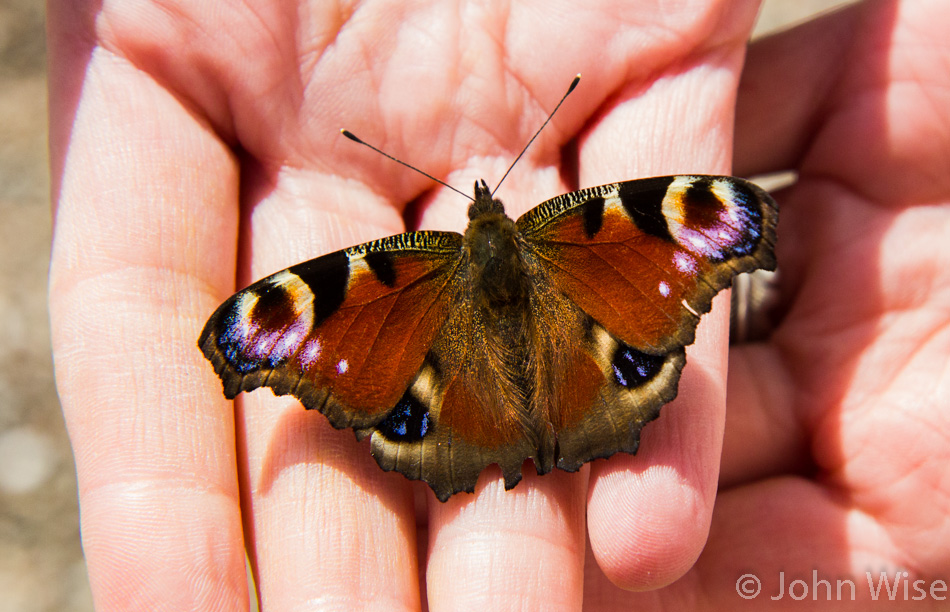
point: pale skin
(196, 148)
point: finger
(852, 93)
(527, 544)
(648, 515)
(787, 84)
(327, 527)
(133, 264)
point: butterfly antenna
(577, 79)
(354, 138)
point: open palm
(197, 148)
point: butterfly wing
(642, 260)
(345, 333)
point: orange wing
(643, 259)
(345, 333)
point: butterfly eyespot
(633, 368)
(264, 328)
(409, 420)
(714, 218)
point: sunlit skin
(196, 148)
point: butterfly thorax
(499, 280)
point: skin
(196, 150)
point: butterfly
(553, 338)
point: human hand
(835, 453)
(191, 146)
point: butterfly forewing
(645, 257)
(345, 333)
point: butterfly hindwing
(471, 422)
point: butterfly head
(484, 203)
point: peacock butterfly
(555, 337)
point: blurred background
(41, 562)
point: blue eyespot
(633, 368)
(408, 422)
